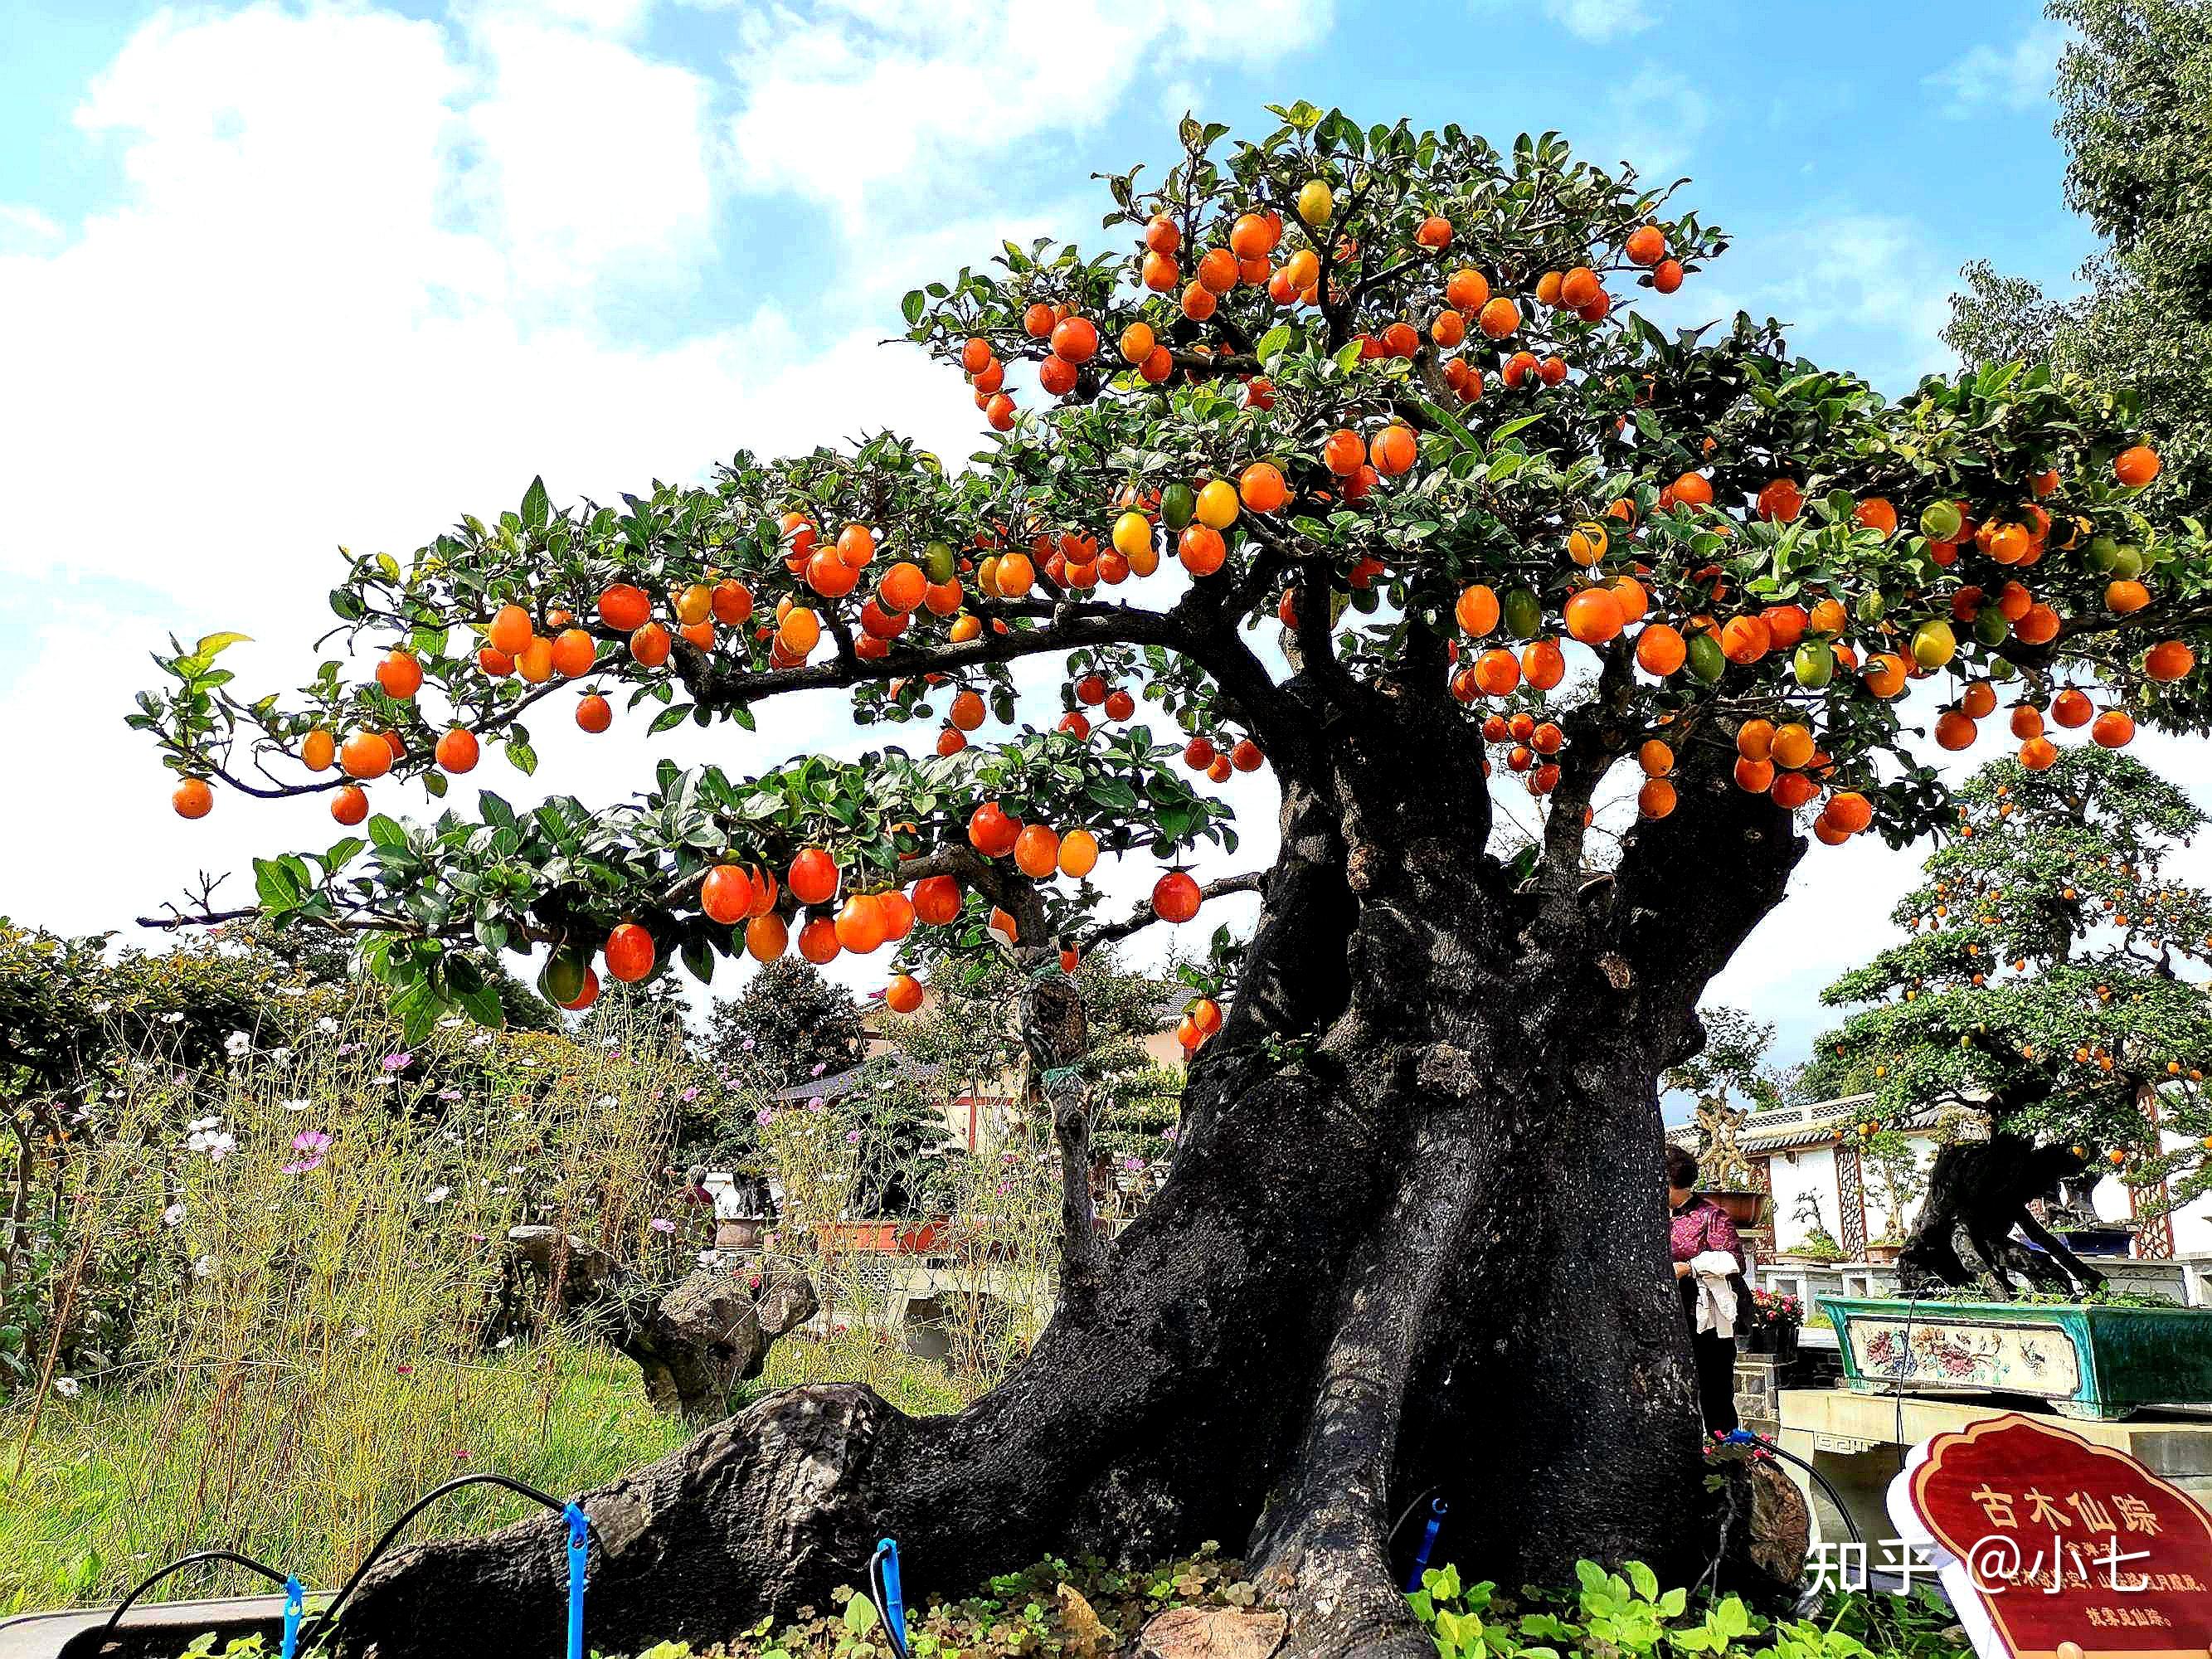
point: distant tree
(790, 1023)
(2135, 101)
(2041, 979)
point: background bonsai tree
(1894, 1166)
(1347, 451)
(2041, 980)
(2137, 129)
(1729, 1078)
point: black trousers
(1715, 1356)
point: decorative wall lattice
(1851, 1201)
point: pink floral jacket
(1702, 1226)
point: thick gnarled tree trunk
(1414, 1238)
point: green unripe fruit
(2128, 563)
(1706, 658)
(938, 562)
(1934, 644)
(1940, 522)
(1523, 613)
(1999, 669)
(1991, 627)
(1815, 663)
(2102, 552)
(561, 981)
(1178, 506)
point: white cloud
(843, 101)
(1655, 118)
(1859, 290)
(364, 274)
(26, 230)
(1598, 22)
(2017, 77)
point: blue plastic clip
(580, 1535)
(1437, 1510)
(894, 1603)
(295, 1603)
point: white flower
(172, 1019)
(479, 1039)
(68, 1387)
(174, 1215)
(102, 1006)
(237, 1044)
(504, 1342)
(449, 1022)
(280, 1057)
(300, 1105)
(326, 1024)
(204, 1268)
(200, 1123)
(606, 1103)
(437, 1194)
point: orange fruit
(767, 938)
(400, 675)
(317, 750)
(350, 805)
(2136, 467)
(595, 713)
(726, 895)
(903, 994)
(510, 630)
(2169, 659)
(1754, 739)
(366, 755)
(1593, 615)
(1654, 758)
(192, 799)
(1660, 649)
(1392, 450)
(1477, 609)
(2113, 729)
(1655, 799)
(458, 749)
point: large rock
(1212, 1633)
(695, 1341)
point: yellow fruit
(1217, 505)
(1315, 202)
(1133, 534)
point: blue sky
(289, 275)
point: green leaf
(536, 506)
(1273, 345)
(212, 644)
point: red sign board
(2052, 1547)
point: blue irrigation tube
(883, 1581)
(295, 1603)
(1437, 1510)
(579, 1552)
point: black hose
(178, 1565)
(328, 1616)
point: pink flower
(661, 1224)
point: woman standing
(1709, 1267)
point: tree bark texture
(1414, 1239)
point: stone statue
(1722, 1165)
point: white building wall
(1815, 1171)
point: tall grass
(320, 1334)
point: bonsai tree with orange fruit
(2052, 978)
(1349, 451)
